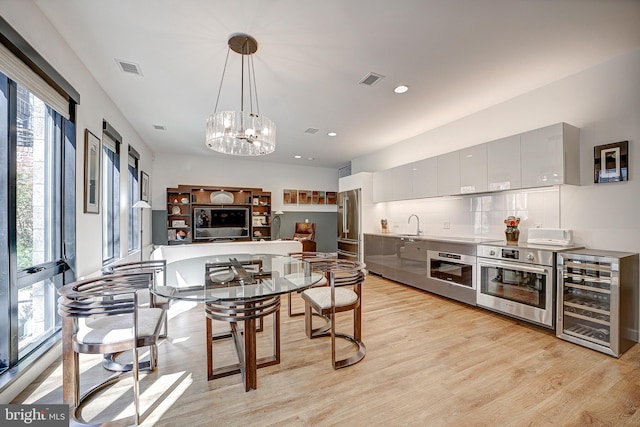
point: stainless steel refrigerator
(349, 218)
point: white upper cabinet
(425, 178)
(539, 158)
(402, 182)
(473, 169)
(550, 156)
(503, 164)
(382, 185)
(449, 174)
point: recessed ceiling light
(401, 89)
(332, 134)
(297, 157)
(311, 158)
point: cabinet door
(390, 261)
(449, 174)
(425, 178)
(503, 164)
(473, 169)
(382, 186)
(373, 253)
(402, 182)
(542, 157)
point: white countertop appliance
(550, 236)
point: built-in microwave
(452, 268)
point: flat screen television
(220, 223)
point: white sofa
(177, 252)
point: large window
(110, 197)
(37, 150)
(134, 196)
(38, 215)
(37, 200)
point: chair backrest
(157, 266)
(109, 295)
(305, 230)
(340, 272)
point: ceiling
(456, 56)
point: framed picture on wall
(610, 162)
(305, 197)
(290, 197)
(144, 186)
(92, 151)
(332, 197)
(318, 197)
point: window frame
(133, 180)
(35, 64)
(110, 197)
(58, 269)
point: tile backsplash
(477, 215)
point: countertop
(451, 239)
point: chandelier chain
(252, 71)
(224, 70)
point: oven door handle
(514, 266)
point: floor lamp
(141, 204)
(276, 223)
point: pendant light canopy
(242, 133)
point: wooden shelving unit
(184, 200)
(178, 216)
(261, 216)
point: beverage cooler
(598, 299)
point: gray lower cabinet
(401, 259)
(406, 260)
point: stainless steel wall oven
(517, 281)
(452, 268)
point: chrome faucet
(418, 231)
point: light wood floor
(430, 362)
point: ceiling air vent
(371, 79)
(129, 67)
(159, 127)
(311, 130)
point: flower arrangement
(512, 221)
(512, 233)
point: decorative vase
(512, 234)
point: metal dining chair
(335, 298)
(312, 258)
(246, 312)
(102, 315)
(159, 269)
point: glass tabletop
(234, 277)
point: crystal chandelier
(242, 133)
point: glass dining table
(238, 288)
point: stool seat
(320, 298)
(115, 329)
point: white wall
(95, 105)
(603, 101)
(170, 170)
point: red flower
(512, 221)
